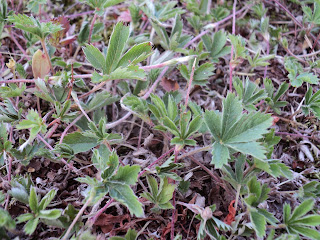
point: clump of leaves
(258, 216)
(312, 103)
(38, 211)
(33, 122)
(161, 195)
(34, 26)
(116, 65)
(298, 222)
(234, 131)
(273, 97)
(176, 121)
(248, 92)
(296, 73)
(217, 45)
(114, 180)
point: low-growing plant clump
(190, 119)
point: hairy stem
(76, 218)
(91, 27)
(43, 44)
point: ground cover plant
(190, 119)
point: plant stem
(155, 162)
(277, 226)
(190, 82)
(176, 153)
(43, 44)
(19, 46)
(232, 47)
(76, 218)
(17, 81)
(91, 27)
(69, 126)
(249, 170)
(206, 148)
(237, 197)
(96, 216)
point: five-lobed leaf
(234, 130)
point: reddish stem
(69, 126)
(62, 160)
(71, 83)
(232, 47)
(176, 152)
(155, 162)
(91, 27)
(19, 46)
(97, 215)
(79, 14)
(190, 82)
(216, 24)
(18, 81)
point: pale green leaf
(124, 194)
(127, 174)
(31, 226)
(136, 54)
(80, 143)
(259, 223)
(33, 200)
(220, 155)
(116, 47)
(50, 214)
(95, 57)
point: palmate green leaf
(216, 45)
(95, 57)
(124, 194)
(116, 47)
(236, 130)
(32, 25)
(296, 73)
(249, 92)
